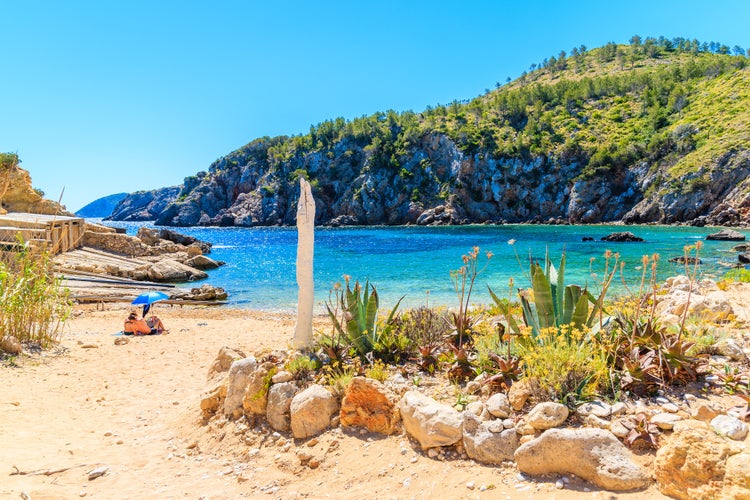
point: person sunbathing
(135, 326)
(155, 324)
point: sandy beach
(133, 411)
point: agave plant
(509, 369)
(550, 303)
(359, 323)
(640, 429)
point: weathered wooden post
(305, 241)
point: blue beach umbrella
(149, 298)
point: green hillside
(654, 131)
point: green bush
(33, 304)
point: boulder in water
(622, 237)
(726, 235)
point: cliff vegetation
(653, 131)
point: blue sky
(99, 97)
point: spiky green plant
(552, 304)
(359, 325)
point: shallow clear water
(410, 261)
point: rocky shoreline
(126, 264)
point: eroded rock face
(239, 374)
(279, 403)
(488, 441)
(595, 455)
(311, 411)
(369, 404)
(429, 422)
(255, 401)
(223, 361)
(692, 464)
(18, 195)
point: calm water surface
(416, 261)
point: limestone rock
(148, 236)
(369, 404)
(731, 427)
(255, 401)
(488, 441)
(692, 463)
(519, 393)
(223, 361)
(547, 415)
(704, 411)
(726, 235)
(11, 345)
(311, 411)
(239, 375)
(429, 422)
(498, 405)
(202, 262)
(595, 455)
(597, 408)
(279, 402)
(737, 477)
(213, 396)
(168, 270)
(730, 348)
(665, 421)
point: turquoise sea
(416, 261)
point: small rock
(498, 405)
(470, 485)
(559, 484)
(432, 453)
(547, 415)
(731, 427)
(281, 377)
(599, 423)
(730, 348)
(618, 429)
(473, 387)
(596, 408)
(670, 407)
(618, 408)
(98, 472)
(665, 421)
(121, 340)
(519, 393)
(11, 345)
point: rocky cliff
(587, 139)
(18, 195)
(143, 205)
